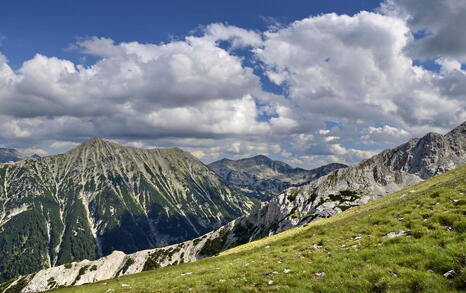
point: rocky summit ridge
(390, 170)
(263, 178)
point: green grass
(433, 214)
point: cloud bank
(349, 86)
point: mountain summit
(262, 177)
(100, 197)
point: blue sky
(31, 27)
(306, 82)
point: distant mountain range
(390, 170)
(10, 155)
(100, 197)
(13, 155)
(263, 178)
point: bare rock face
(384, 173)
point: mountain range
(100, 197)
(340, 190)
(408, 241)
(10, 155)
(263, 178)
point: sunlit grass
(346, 253)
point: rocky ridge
(263, 178)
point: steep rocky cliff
(101, 197)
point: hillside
(262, 177)
(100, 197)
(409, 241)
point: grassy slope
(415, 262)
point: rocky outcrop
(263, 178)
(101, 197)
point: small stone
(316, 246)
(267, 246)
(124, 285)
(274, 272)
(450, 274)
(357, 238)
(320, 275)
(395, 234)
(270, 282)
(286, 271)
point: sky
(305, 82)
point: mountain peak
(96, 142)
(459, 130)
(261, 157)
(96, 145)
